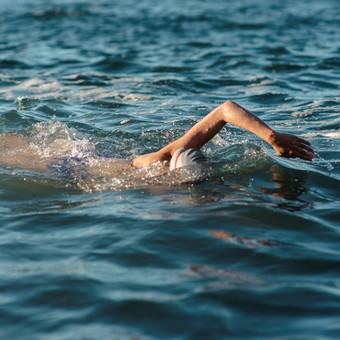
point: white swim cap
(184, 157)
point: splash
(56, 139)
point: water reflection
(290, 185)
(284, 188)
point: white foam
(52, 139)
(302, 114)
(47, 87)
(327, 134)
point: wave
(59, 12)
(12, 64)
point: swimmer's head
(185, 157)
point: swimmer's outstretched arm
(284, 144)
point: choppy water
(253, 252)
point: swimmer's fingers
(307, 150)
(303, 149)
(299, 152)
(296, 138)
(305, 144)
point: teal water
(250, 253)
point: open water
(253, 252)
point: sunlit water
(247, 247)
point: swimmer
(181, 152)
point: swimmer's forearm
(285, 144)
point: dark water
(253, 252)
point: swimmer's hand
(290, 146)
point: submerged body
(18, 151)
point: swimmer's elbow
(229, 103)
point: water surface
(251, 252)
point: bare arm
(286, 145)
